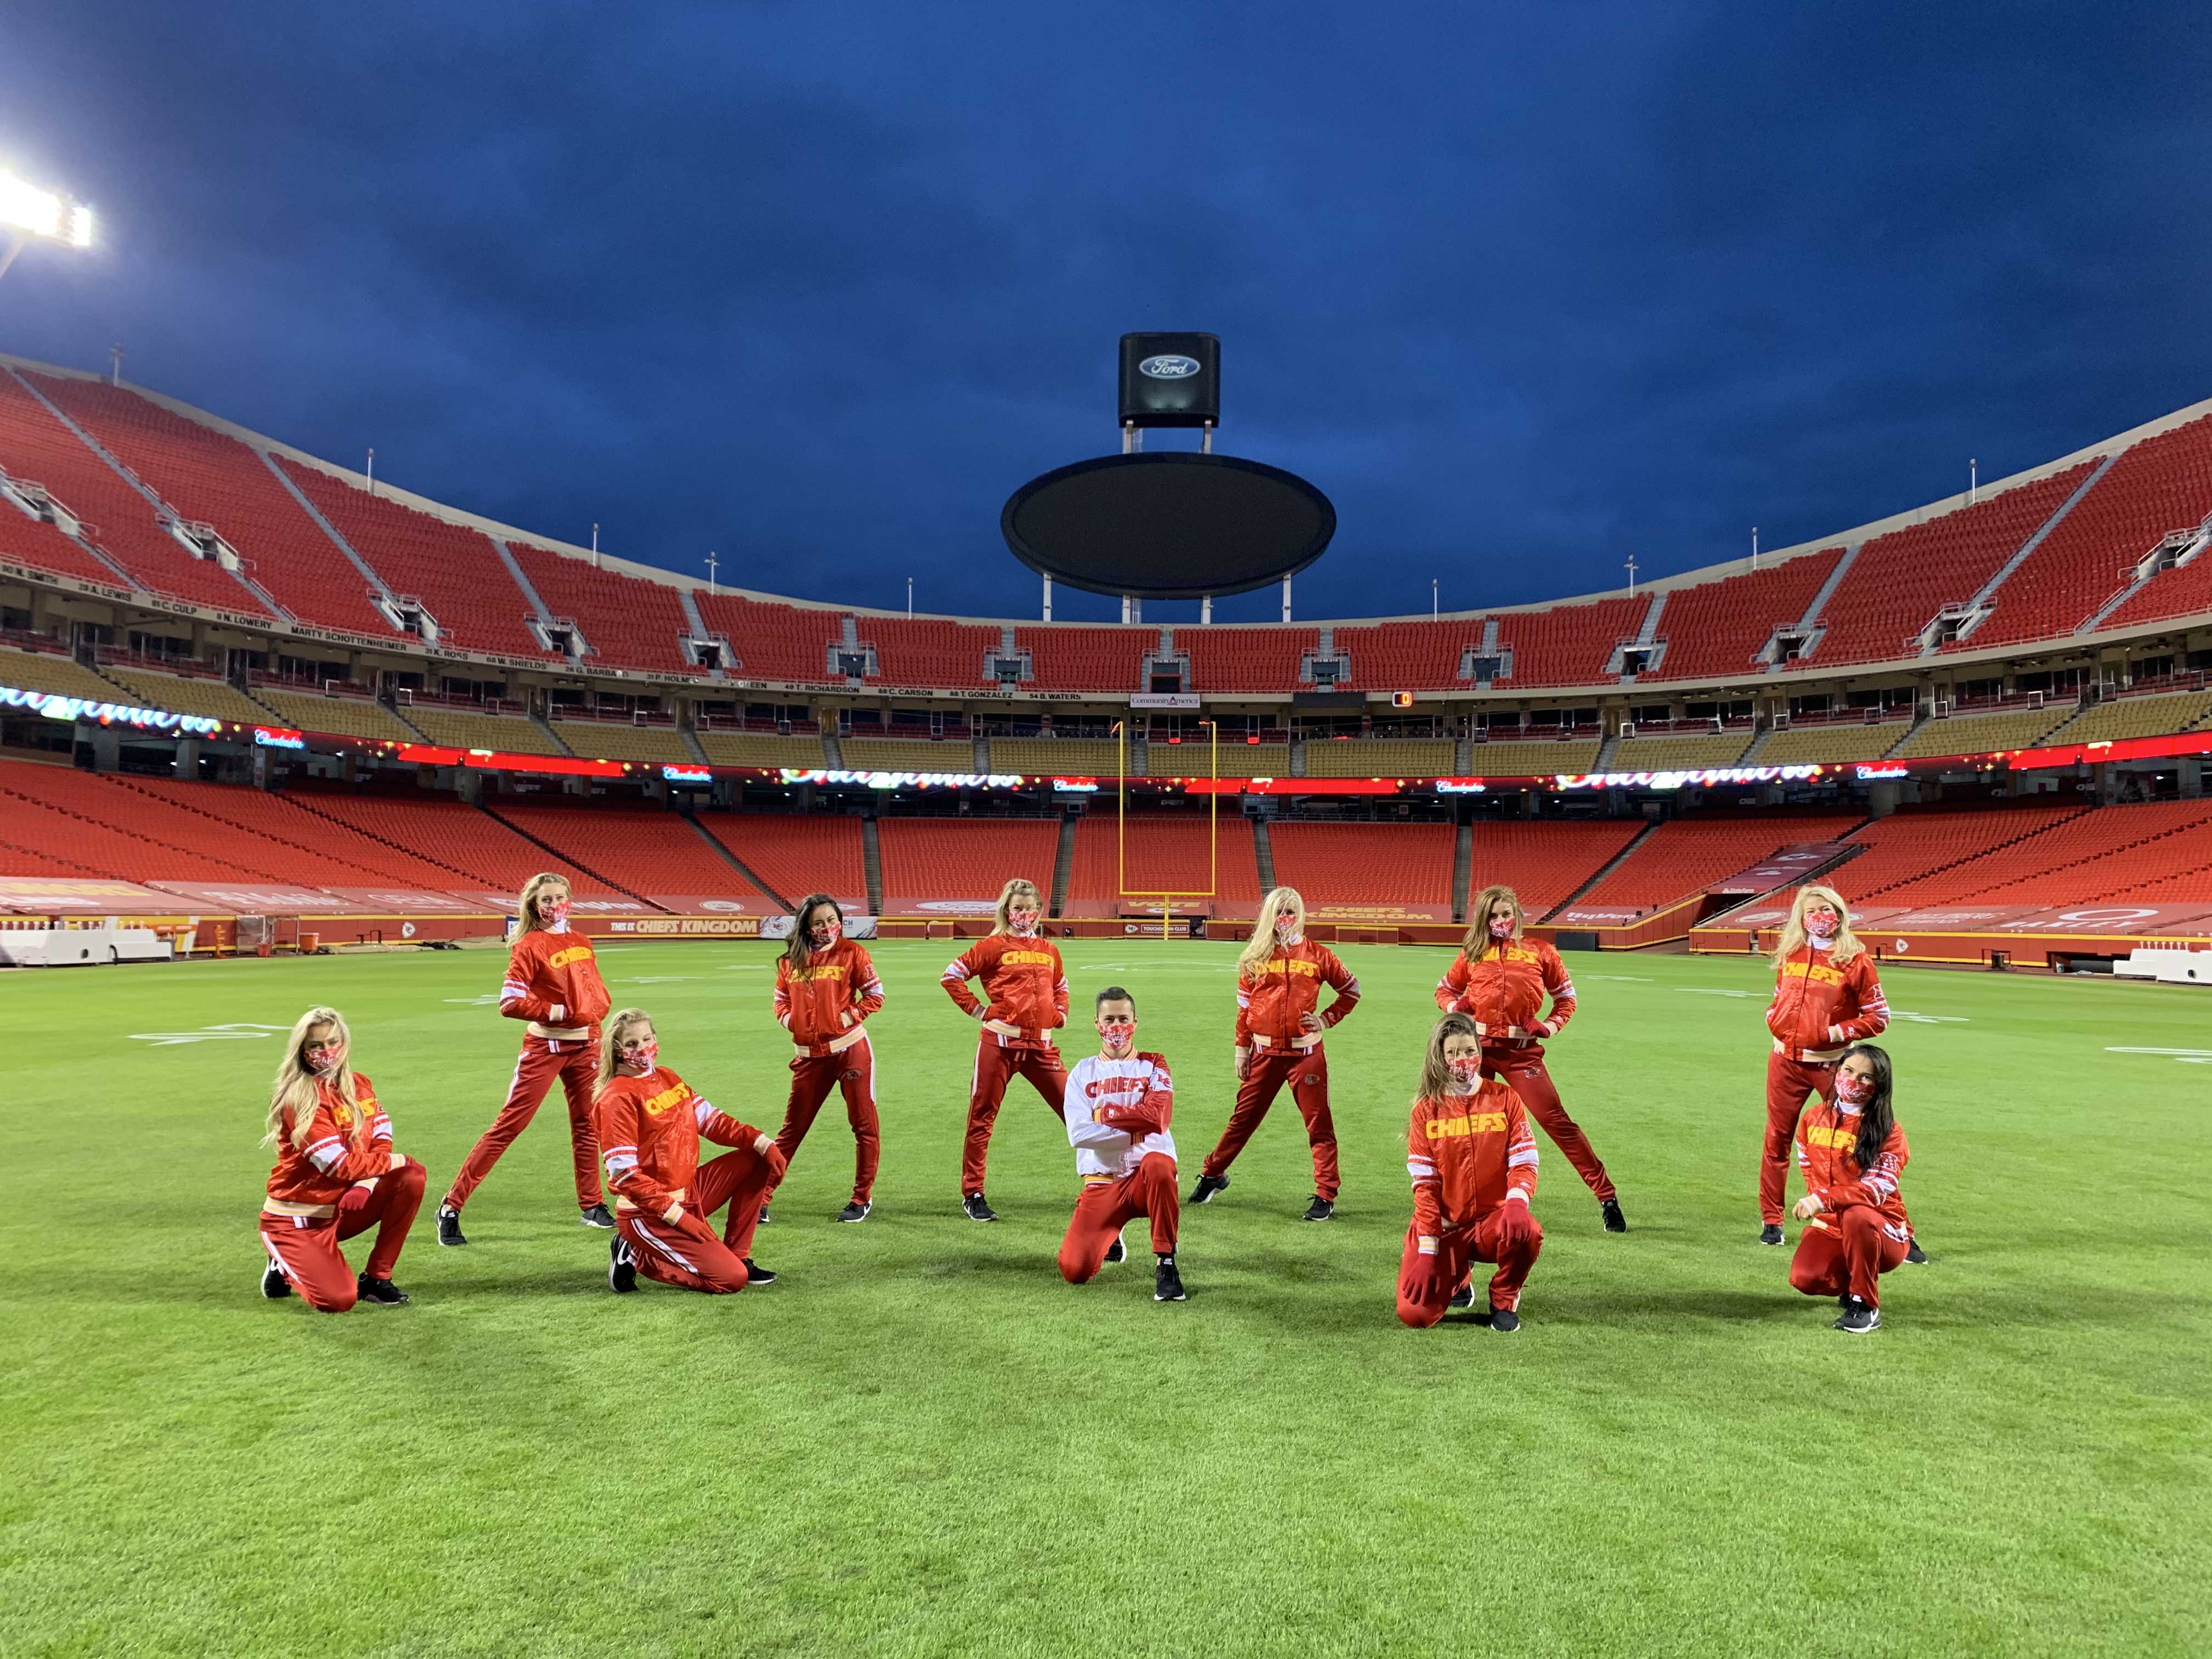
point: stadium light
(27, 212)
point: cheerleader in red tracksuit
(1473, 1160)
(825, 986)
(1501, 979)
(336, 1176)
(651, 1122)
(1024, 1001)
(553, 982)
(1826, 996)
(1279, 1030)
(1852, 1154)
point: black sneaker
(756, 1274)
(274, 1284)
(1614, 1221)
(1463, 1299)
(763, 1221)
(973, 1206)
(1167, 1283)
(857, 1209)
(1117, 1251)
(449, 1227)
(1320, 1210)
(1858, 1319)
(1207, 1186)
(597, 1216)
(1504, 1319)
(622, 1266)
(382, 1291)
(1770, 1233)
(1914, 1256)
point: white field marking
(207, 1034)
(656, 979)
(1150, 968)
(1638, 979)
(1930, 1019)
(746, 968)
(483, 1001)
(2186, 1056)
(1704, 991)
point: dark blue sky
(1525, 290)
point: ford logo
(1169, 368)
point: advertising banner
(37, 894)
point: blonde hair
(296, 1088)
(1436, 1076)
(1012, 890)
(1477, 937)
(1847, 945)
(618, 1022)
(1261, 944)
(531, 891)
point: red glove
(1515, 1225)
(773, 1157)
(354, 1198)
(1543, 1028)
(1424, 1279)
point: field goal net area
(1144, 882)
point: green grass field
(921, 1441)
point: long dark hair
(796, 952)
(1877, 1117)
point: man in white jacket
(1117, 1107)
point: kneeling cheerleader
(650, 1124)
(336, 1176)
(1853, 1153)
(1473, 1164)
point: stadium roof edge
(1685, 579)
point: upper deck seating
(773, 641)
(1068, 658)
(1415, 656)
(39, 448)
(1238, 659)
(2161, 484)
(928, 650)
(1901, 579)
(629, 621)
(210, 478)
(1718, 628)
(1569, 644)
(451, 569)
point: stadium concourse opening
(347, 715)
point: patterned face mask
(323, 1059)
(1288, 926)
(1501, 927)
(553, 911)
(1820, 925)
(1119, 1030)
(1466, 1072)
(1852, 1090)
(825, 932)
(1023, 922)
(644, 1056)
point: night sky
(1525, 290)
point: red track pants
(688, 1255)
(306, 1246)
(1789, 1084)
(1525, 1072)
(1425, 1283)
(543, 1058)
(1846, 1252)
(1270, 1069)
(995, 1067)
(1107, 1206)
(812, 1078)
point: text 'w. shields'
(1178, 525)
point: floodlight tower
(28, 214)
